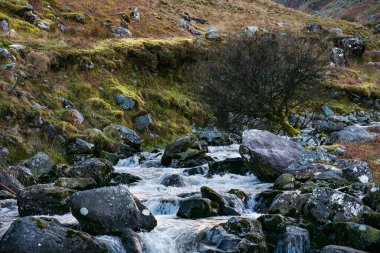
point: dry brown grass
(368, 152)
(40, 61)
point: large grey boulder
(31, 234)
(110, 210)
(268, 155)
(40, 163)
(326, 205)
(351, 134)
(237, 235)
(97, 169)
(43, 199)
(340, 249)
(76, 183)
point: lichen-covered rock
(351, 134)
(76, 183)
(4, 155)
(289, 203)
(40, 163)
(195, 208)
(109, 210)
(97, 169)
(285, 182)
(215, 137)
(269, 155)
(122, 32)
(43, 199)
(31, 234)
(353, 46)
(358, 236)
(237, 235)
(355, 170)
(327, 205)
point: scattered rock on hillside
(79, 146)
(32, 234)
(110, 210)
(353, 46)
(135, 13)
(5, 54)
(40, 163)
(335, 31)
(122, 32)
(351, 134)
(269, 155)
(126, 103)
(250, 31)
(376, 29)
(142, 122)
(316, 28)
(43, 199)
(43, 25)
(127, 135)
(213, 34)
(4, 25)
(337, 57)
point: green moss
(72, 233)
(329, 148)
(40, 223)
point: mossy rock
(285, 182)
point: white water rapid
(172, 234)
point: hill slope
(351, 10)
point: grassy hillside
(88, 65)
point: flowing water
(172, 234)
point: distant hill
(351, 10)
